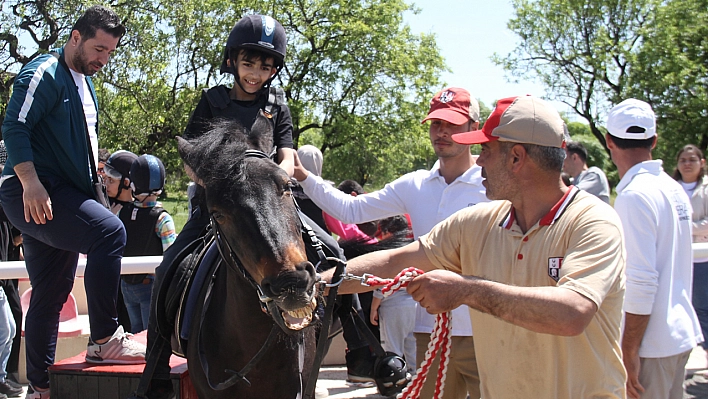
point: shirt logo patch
(554, 266)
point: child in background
(150, 230)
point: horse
(259, 311)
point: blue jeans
(700, 297)
(137, 302)
(80, 225)
(7, 333)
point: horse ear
(264, 127)
(184, 147)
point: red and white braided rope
(439, 339)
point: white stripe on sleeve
(29, 96)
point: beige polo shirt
(578, 245)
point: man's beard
(80, 63)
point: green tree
(671, 73)
(580, 50)
(356, 79)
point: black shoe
(161, 389)
(360, 365)
(9, 390)
(14, 383)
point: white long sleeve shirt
(424, 196)
(656, 219)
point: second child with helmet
(254, 55)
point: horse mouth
(300, 318)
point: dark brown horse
(263, 266)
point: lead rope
(439, 339)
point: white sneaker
(32, 394)
(321, 392)
(120, 349)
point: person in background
(10, 307)
(103, 155)
(51, 134)
(358, 356)
(392, 314)
(312, 160)
(592, 179)
(150, 231)
(660, 325)
(690, 172)
(117, 181)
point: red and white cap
(522, 119)
(454, 105)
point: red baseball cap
(454, 105)
(522, 119)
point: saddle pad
(211, 256)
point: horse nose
(299, 280)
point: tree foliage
(580, 50)
(594, 54)
(671, 73)
(356, 79)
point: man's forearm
(550, 310)
(26, 172)
(634, 327)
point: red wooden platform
(73, 378)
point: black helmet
(258, 32)
(391, 374)
(117, 166)
(147, 175)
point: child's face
(254, 73)
(111, 186)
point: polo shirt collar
(472, 175)
(552, 215)
(654, 167)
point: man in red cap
(428, 196)
(543, 269)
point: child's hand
(374, 316)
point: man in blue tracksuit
(50, 132)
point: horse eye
(218, 216)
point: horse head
(254, 216)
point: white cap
(632, 113)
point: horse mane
(217, 156)
(357, 247)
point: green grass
(177, 206)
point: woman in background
(690, 173)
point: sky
(468, 33)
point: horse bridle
(268, 305)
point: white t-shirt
(656, 219)
(89, 110)
(424, 196)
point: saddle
(171, 308)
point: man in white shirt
(428, 196)
(591, 179)
(661, 327)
